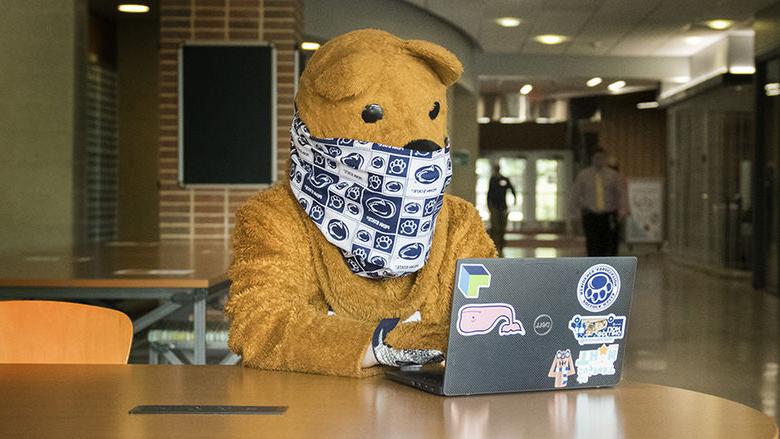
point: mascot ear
(442, 61)
(347, 76)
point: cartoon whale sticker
(477, 319)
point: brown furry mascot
(350, 262)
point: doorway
(541, 181)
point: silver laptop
(522, 325)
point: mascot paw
(419, 335)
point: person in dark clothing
(496, 201)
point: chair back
(39, 331)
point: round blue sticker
(598, 287)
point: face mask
(376, 203)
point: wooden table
(178, 273)
(93, 401)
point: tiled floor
(697, 331)
(704, 333)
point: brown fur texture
(286, 275)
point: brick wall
(208, 213)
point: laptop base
(427, 378)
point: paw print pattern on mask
(408, 227)
(397, 167)
(360, 253)
(353, 193)
(374, 182)
(384, 243)
(316, 213)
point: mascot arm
(467, 239)
(278, 318)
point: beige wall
(137, 46)
(464, 137)
(38, 127)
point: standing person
(598, 197)
(496, 201)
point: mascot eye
(372, 113)
(435, 111)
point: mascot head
(373, 86)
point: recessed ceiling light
(550, 39)
(647, 105)
(592, 82)
(508, 21)
(693, 41)
(310, 45)
(131, 8)
(719, 24)
(617, 85)
(742, 70)
(524, 90)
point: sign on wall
(645, 199)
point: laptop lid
(538, 324)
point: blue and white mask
(376, 203)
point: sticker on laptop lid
(562, 368)
(599, 361)
(597, 329)
(471, 279)
(542, 324)
(598, 287)
(482, 318)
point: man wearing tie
(598, 196)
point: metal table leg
(199, 323)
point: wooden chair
(38, 331)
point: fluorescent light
(310, 45)
(592, 82)
(510, 120)
(617, 85)
(647, 105)
(680, 79)
(772, 89)
(693, 41)
(483, 120)
(550, 39)
(719, 24)
(524, 90)
(508, 21)
(133, 8)
(742, 70)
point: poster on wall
(645, 199)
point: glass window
(511, 168)
(547, 197)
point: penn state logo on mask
(338, 230)
(428, 174)
(411, 251)
(321, 180)
(381, 220)
(353, 160)
(412, 208)
(381, 207)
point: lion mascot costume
(349, 263)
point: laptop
(520, 325)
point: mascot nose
(422, 145)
